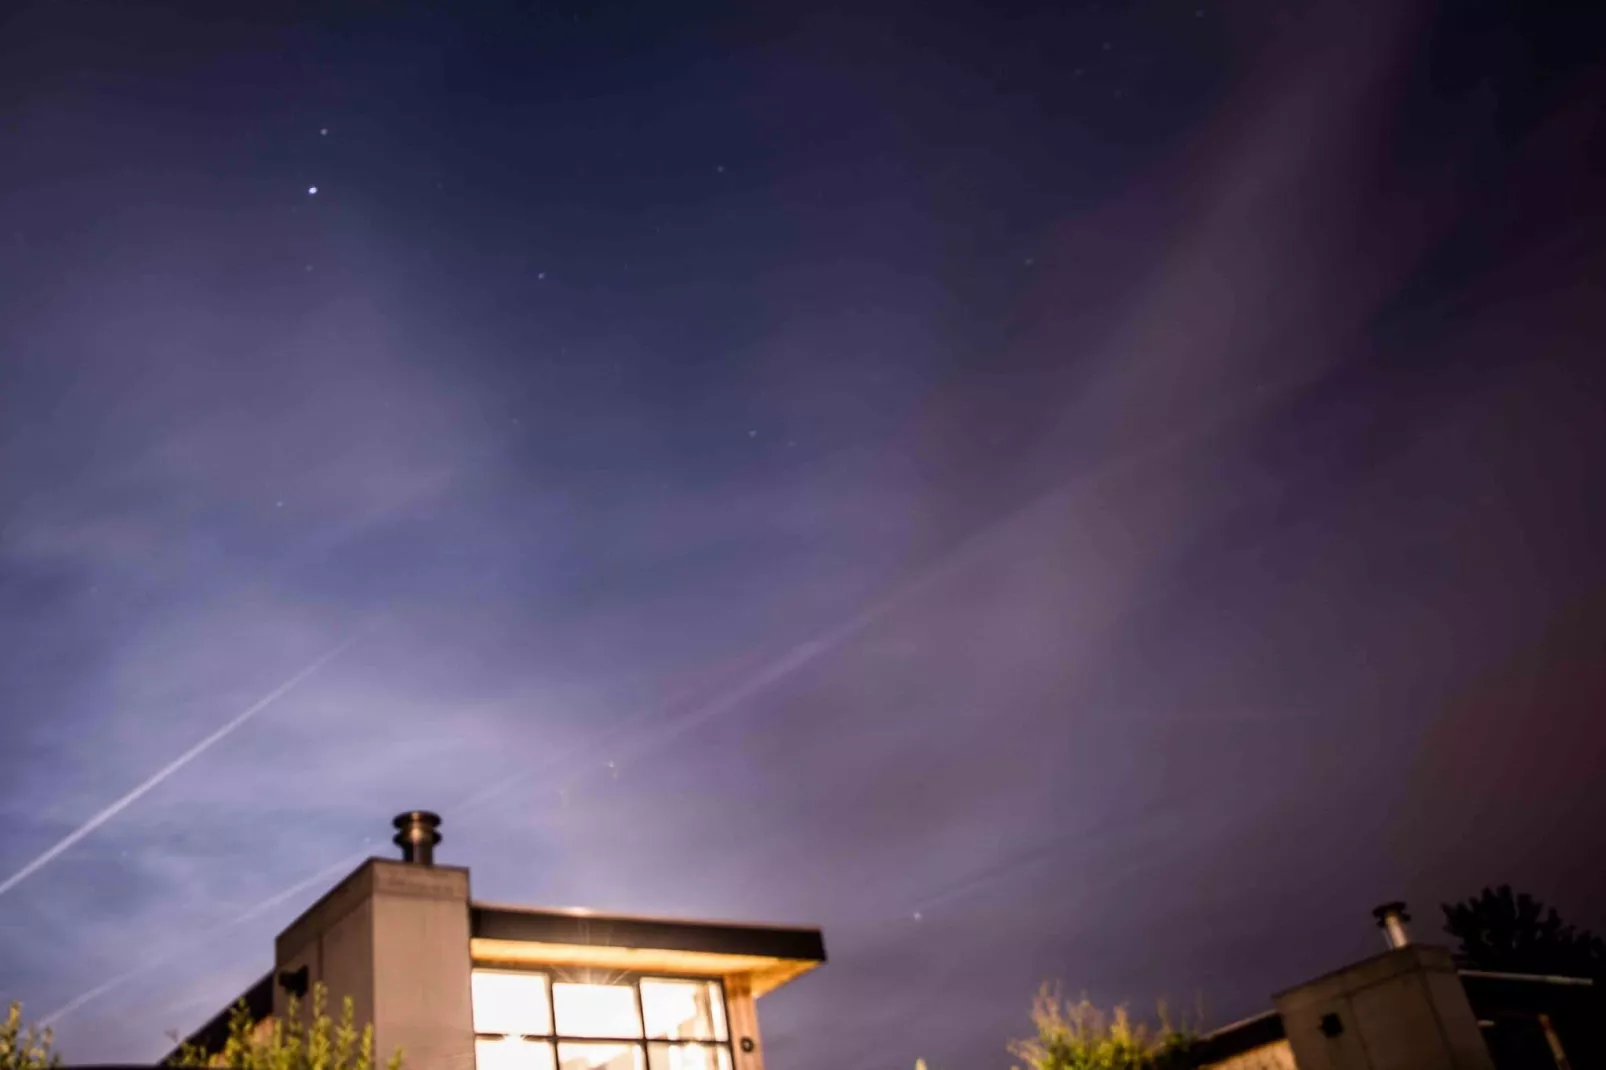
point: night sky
(1103, 493)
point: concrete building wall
(421, 966)
(1402, 1010)
(394, 938)
(334, 941)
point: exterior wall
(1276, 1056)
(394, 938)
(334, 940)
(421, 965)
(1402, 1010)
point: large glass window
(596, 1010)
(531, 1020)
(683, 1010)
(511, 1003)
(512, 1053)
(599, 1056)
(688, 1057)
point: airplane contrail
(66, 842)
(338, 869)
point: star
(323, 131)
(752, 434)
(312, 191)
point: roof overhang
(766, 957)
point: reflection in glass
(511, 1053)
(599, 1056)
(683, 1010)
(688, 1057)
(596, 1010)
(509, 1002)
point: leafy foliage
(1500, 930)
(290, 1044)
(1080, 1036)
(25, 1048)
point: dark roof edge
(211, 1037)
(1240, 1037)
(602, 930)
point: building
(466, 985)
(1414, 1008)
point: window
(683, 1010)
(510, 1003)
(596, 1010)
(512, 1053)
(530, 1020)
(688, 1057)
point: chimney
(417, 833)
(1391, 918)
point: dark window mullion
(552, 1010)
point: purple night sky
(1097, 492)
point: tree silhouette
(1500, 930)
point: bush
(25, 1049)
(1079, 1036)
(292, 1045)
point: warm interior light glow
(512, 1053)
(510, 1003)
(688, 1057)
(599, 1056)
(683, 1010)
(596, 1010)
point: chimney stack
(1391, 918)
(417, 833)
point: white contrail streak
(66, 842)
(317, 879)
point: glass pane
(596, 1010)
(688, 1057)
(510, 1053)
(683, 1010)
(599, 1056)
(509, 1002)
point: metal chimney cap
(412, 818)
(417, 833)
(1395, 909)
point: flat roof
(768, 955)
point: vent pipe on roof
(417, 833)
(1391, 918)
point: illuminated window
(688, 1057)
(526, 1020)
(596, 1010)
(510, 1003)
(599, 1057)
(512, 1053)
(683, 1010)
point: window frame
(642, 1043)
